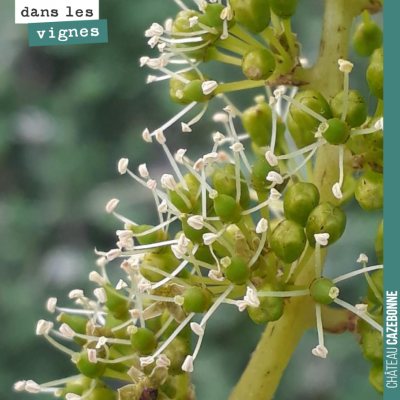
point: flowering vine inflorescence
(234, 228)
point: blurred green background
(67, 114)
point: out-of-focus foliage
(67, 114)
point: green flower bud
(357, 110)
(80, 385)
(143, 341)
(195, 235)
(197, 300)
(299, 201)
(237, 271)
(77, 324)
(326, 218)
(369, 191)
(270, 308)
(203, 253)
(112, 322)
(169, 388)
(89, 369)
(376, 377)
(115, 303)
(154, 237)
(316, 102)
(227, 209)
(376, 138)
(288, 241)
(302, 137)
(323, 291)
(379, 243)
(224, 182)
(367, 38)
(212, 16)
(185, 93)
(284, 8)
(100, 394)
(257, 121)
(259, 174)
(185, 333)
(177, 352)
(164, 261)
(194, 92)
(180, 203)
(372, 345)
(258, 64)
(254, 15)
(377, 279)
(181, 24)
(375, 73)
(337, 132)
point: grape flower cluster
(247, 214)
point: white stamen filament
(357, 272)
(353, 309)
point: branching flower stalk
(246, 225)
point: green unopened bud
(100, 394)
(80, 385)
(177, 351)
(270, 308)
(288, 241)
(185, 93)
(356, 108)
(184, 205)
(372, 345)
(337, 132)
(237, 271)
(375, 73)
(195, 235)
(316, 102)
(254, 15)
(369, 191)
(284, 8)
(257, 121)
(227, 209)
(78, 325)
(302, 137)
(379, 242)
(154, 237)
(118, 305)
(182, 24)
(259, 174)
(367, 38)
(203, 253)
(212, 16)
(377, 279)
(300, 200)
(164, 261)
(376, 377)
(323, 290)
(112, 322)
(197, 300)
(224, 182)
(143, 341)
(185, 333)
(91, 370)
(258, 64)
(326, 218)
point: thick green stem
(275, 349)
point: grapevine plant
(254, 217)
